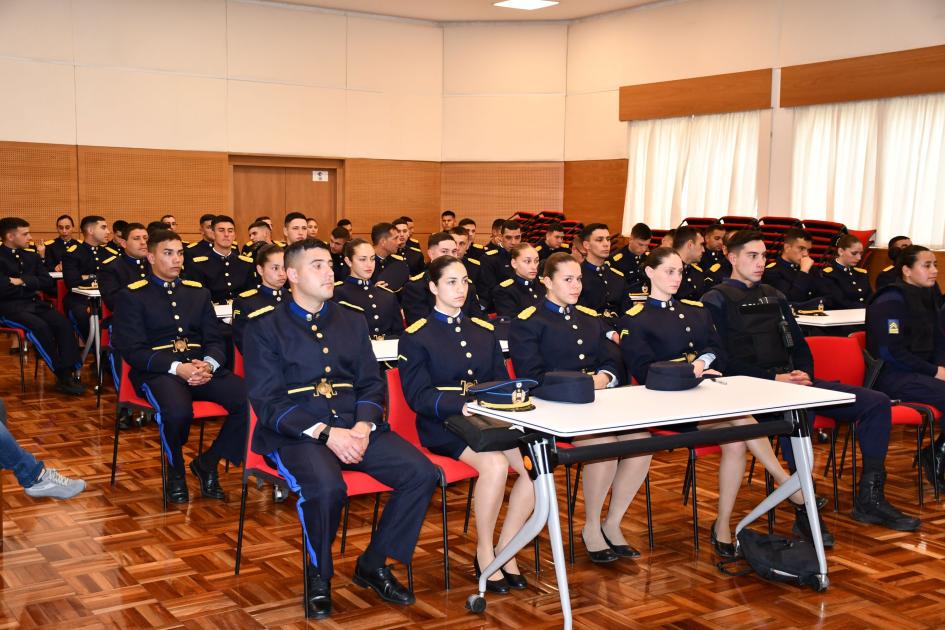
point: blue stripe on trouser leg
(32, 338)
(160, 423)
(296, 488)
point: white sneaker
(54, 485)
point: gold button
(581, 357)
(574, 326)
(580, 341)
(325, 350)
(469, 355)
(173, 303)
(688, 329)
(567, 318)
(377, 317)
(180, 329)
(681, 316)
(327, 369)
(176, 316)
(470, 372)
(458, 329)
(371, 297)
(449, 320)
(319, 335)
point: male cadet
(417, 299)
(689, 244)
(55, 249)
(552, 243)
(250, 304)
(389, 267)
(410, 253)
(375, 302)
(475, 250)
(203, 246)
(81, 266)
(495, 240)
(604, 289)
(165, 328)
(497, 263)
(260, 233)
(295, 228)
(843, 284)
(473, 266)
(119, 234)
(762, 339)
(887, 276)
(629, 259)
(346, 224)
(336, 245)
(221, 270)
(22, 277)
(714, 263)
(316, 388)
(312, 227)
(447, 220)
(792, 273)
(171, 222)
(129, 267)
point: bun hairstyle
(555, 261)
(908, 256)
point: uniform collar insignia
(554, 308)
(522, 281)
(447, 319)
(273, 292)
(652, 301)
(304, 315)
(358, 281)
(163, 283)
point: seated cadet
(475, 250)
(890, 273)
(604, 289)
(689, 243)
(376, 303)
(497, 263)
(294, 228)
(524, 289)
(904, 330)
(119, 234)
(752, 319)
(668, 329)
(336, 245)
(165, 328)
(440, 357)
(409, 252)
(260, 233)
(56, 248)
(252, 303)
(81, 266)
(346, 224)
(629, 260)
(667, 240)
(311, 224)
(473, 266)
(204, 244)
(714, 263)
(221, 270)
(171, 222)
(132, 265)
(843, 284)
(447, 220)
(389, 267)
(495, 238)
(22, 277)
(316, 388)
(560, 334)
(793, 272)
(552, 243)
(417, 299)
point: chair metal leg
(200, 443)
(919, 435)
(769, 488)
(115, 447)
(574, 490)
(567, 488)
(239, 533)
(469, 496)
(446, 537)
(649, 510)
(344, 526)
(410, 576)
(687, 478)
(751, 470)
(304, 577)
(377, 506)
(843, 455)
(695, 501)
(537, 555)
(853, 463)
(833, 468)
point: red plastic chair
(20, 334)
(239, 367)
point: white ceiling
(472, 10)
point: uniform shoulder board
(350, 305)
(860, 269)
(587, 311)
(383, 288)
(137, 284)
(279, 243)
(108, 260)
(618, 257)
(418, 276)
(492, 252)
(483, 323)
(396, 256)
(29, 249)
(507, 282)
(528, 312)
(339, 283)
(111, 251)
(770, 265)
(260, 311)
(245, 259)
(616, 271)
(692, 303)
(474, 261)
(192, 283)
(249, 293)
(234, 246)
(71, 248)
(889, 267)
(828, 269)
(538, 248)
(715, 267)
(248, 243)
(194, 244)
(634, 310)
(416, 249)
(49, 242)
(417, 325)
(697, 267)
(477, 246)
(199, 259)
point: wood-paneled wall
(38, 182)
(716, 94)
(594, 190)
(382, 190)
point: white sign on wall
(319, 176)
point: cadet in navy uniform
(762, 339)
(890, 273)
(221, 270)
(843, 284)
(714, 263)
(497, 263)
(667, 329)
(604, 289)
(250, 304)
(260, 234)
(389, 267)
(475, 251)
(552, 243)
(524, 289)
(315, 386)
(336, 245)
(132, 265)
(440, 356)
(560, 334)
(473, 266)
(629, 259)
(418, 299)
(81, 266)
(200, 247)
(904, 329)
(377, 304)
(408, 251)
(792, 273)
(165, 328)
(56, 248)
(22, 277)
(690, 244)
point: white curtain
(692, 166)
(873, 164)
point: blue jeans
(14, 458)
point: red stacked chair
(825, 235)
(773, 229)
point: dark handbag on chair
(484, 434)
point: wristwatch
(323, 436)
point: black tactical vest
(755, 330)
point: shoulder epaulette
(234, 246)
(383, 287)
(697, 267)
(618, 256)
(111, 251)
(416, 249)
(137, 284)
(483, 323)
(828, 269)
(770, 265)
(29, 249)
(396, 256)
(538, 248)
(418, 276)
(478, 246)
(860, 269)
(492, 252)
(49, 242)
(587, 311)
(192, 283)
(338, 283)
(280, 243)
(260, 311)
(616, 271)
(528, 312)
(889, 267)
(245, 258)
(417, 325)
(108, 260)
(715, 267)
(634, 310)
(507, 282)
(194, 244)
(199, 259)
(692, 303)
(248, 243)
(474, 261)
(249, 293)
(71, 248)
(350, 305)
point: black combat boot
(871, 505)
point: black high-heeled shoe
(604, 556)
(500, 586)
(724, 550)
(622, 551)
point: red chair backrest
(255, 461)
(860, 337)
(402, 419)
(838, 359)
(239, 367)
(126, 391)
(510, 368)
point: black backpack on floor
(778, 559)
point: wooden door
(312, 198)
(276, 190)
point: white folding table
(843, 317)
(386, 349)
(637, 408)
(224, 312)
(94, 339)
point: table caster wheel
(278, 494)
(476, 603)
(820, 583)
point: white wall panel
(394, 126)
(38, 103)
(509, 127)
(592, 130)
(392, 56)
(36, 30)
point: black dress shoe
(516, 581)
(70, 386)
(604, 556)
(622, 551)
(801, 527)
(723, 550)
(176, 490)
(383, 582)
(318, 605)
(209, 481)
(500, 586)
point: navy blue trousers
(911, 387)
(51, 332)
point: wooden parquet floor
(111, 558)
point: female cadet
(252, 303)
(523, 289)
(666, 329)
(904, 330)
(559, 335)
(440, 356)
(376, 302)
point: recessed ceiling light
(525, 5)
